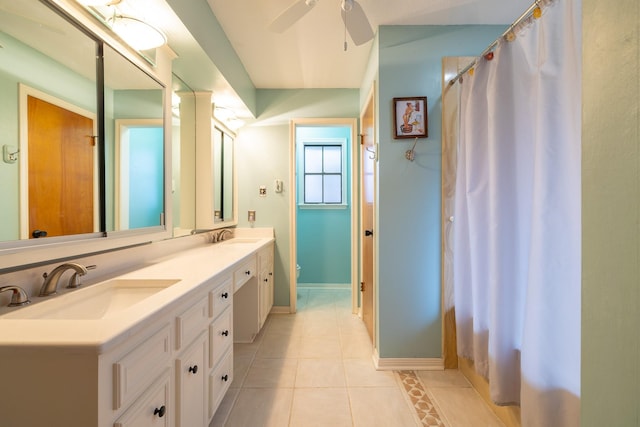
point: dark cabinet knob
(160, 411)
(193, 369)
(225, 378)
(248, 272)
(266, 279)
(225, 333)
(225, 295)
(368, 232)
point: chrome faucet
(19, 296)
(223, 233)
(50, 285)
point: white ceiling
(310, 54)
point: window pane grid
(322, 174)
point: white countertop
(192, 268)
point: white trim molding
(407, 364)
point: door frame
(353, 185)
(24, 92)
(362, 152)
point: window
(322, 173)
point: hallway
(314, 368)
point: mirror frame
(21, 254)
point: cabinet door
(191, 383)
(266, 294)
(152, 409)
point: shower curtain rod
(522, 17)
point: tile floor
(314, 368)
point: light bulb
(347, 5)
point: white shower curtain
(517, 247)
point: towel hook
(411, 154)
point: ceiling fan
(353, 16)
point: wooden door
(368, 148)
(61, 162)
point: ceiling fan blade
(291, 15)
(357, 24)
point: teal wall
(262, 156)
(408, 211)
(323, 236)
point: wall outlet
(263, 190)
(251, 216)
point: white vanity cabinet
(265, 282)
(166, 363)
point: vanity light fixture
(137, 33)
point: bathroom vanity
(153, 347)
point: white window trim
(300, 178)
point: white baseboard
(407, 364)
(345, 286)
(280, 309)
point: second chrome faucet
(50, 285)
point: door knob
(38, 233)
(368, 232)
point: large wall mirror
(82, 133)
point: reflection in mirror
(48, 124)
(222, 176)
(134, 145)
(51, 107)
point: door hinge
(361, 286)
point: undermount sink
(94, 302)
(238, 240)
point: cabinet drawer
(220, 298)
(135, 371)
(191, 322)
(153, 408)
(243, 273)
(219, 382)
(220, 337)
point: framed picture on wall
(410, 117)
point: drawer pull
(225, 377)
(225, 333)
(266, 280)
(225, 295)
(193, 369)
(160, 411)
(248, 272)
